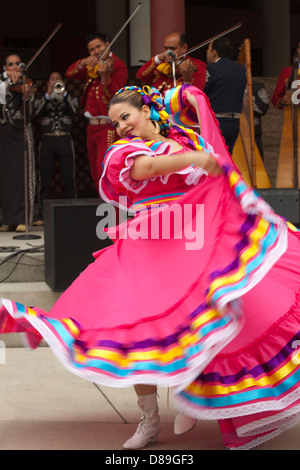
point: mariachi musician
(283, 99)
(283, 94)
(158, 72)
(18, 97)
(104, 74)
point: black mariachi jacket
(56, 113)
(12, 111)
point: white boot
(149, 424)
(183, 424)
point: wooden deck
(242, 157)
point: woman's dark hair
(128, 96)
(8, 55)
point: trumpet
(59, 87)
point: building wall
(25, 26)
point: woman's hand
(191, 99)
(207, 161)
(193, 102)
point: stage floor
(22, 256)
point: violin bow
(119, 32)
(202, 44)
(208, 41)
(43, 46)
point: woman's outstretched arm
(145, 167)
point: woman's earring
(157, 127)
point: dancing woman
(208, 306)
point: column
(140, 35)
(110, 17)
(165, 16)
(276, 36)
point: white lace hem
(184, 406)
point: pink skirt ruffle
(215, 321)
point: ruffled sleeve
(116, 183)
(183, 114)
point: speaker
(285, 202)
(71, 238)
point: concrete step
(30, 294)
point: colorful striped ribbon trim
(273, 380)
(147, 203)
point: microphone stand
(173, 60)
(174, 70)
(26, 236)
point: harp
(288, 174)
(245, 153)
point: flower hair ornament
(153, 99)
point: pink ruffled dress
(199, 292)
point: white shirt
(2, 92)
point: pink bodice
(116, 182)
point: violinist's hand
(104, 67)
(162, 57)
(287, 98)
(13, 75)
(104, 70)
(90, 61)
(186, 69)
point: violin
(176, 68)
(94, 73)
(183, 60)
(176, 60)
(18, 86)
